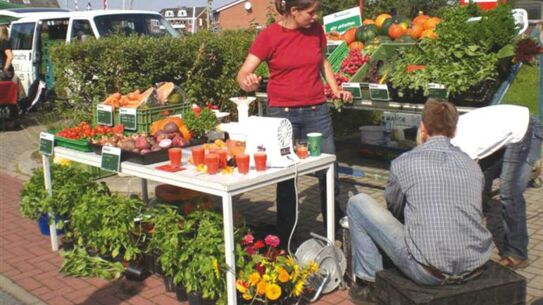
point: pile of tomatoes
(85, 130)
(340, 79)
(353, 62)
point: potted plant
(79, 263)
(104, 225)
(200, 125)
(68, 185)
(270, 276)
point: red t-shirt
(294, 58)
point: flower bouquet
(270, 275)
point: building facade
(242, 14)
(186, 19)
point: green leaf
(506, 51)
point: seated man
(506, 141)
(438, 189)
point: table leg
(47, 179)
(330, 210)
(229, 249)
(144, 194)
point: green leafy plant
(105, 224)
(202, 124)
(68, 184)
(79, 263)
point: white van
(33, 34)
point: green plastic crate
(79, 145)
(145, 117)
(337, 56)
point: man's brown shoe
(363, 294)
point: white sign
(342, 21)
(104, 115)
(128, 117)
(354, 88)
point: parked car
(34, 32)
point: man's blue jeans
(518, 161)
(371, 226)
(305, 120)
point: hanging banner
(342, 21)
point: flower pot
(195, 298)
(149, 262)
(168, 284)
(68, 244)
(181, 293)
(43, 223)
(157, 268)
(135, 272)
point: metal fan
(332, 264)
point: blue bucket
(43, 223)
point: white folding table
(223, 185)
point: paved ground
(29, 270)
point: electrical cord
(296, 204)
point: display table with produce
(223, 185)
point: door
(23, 43)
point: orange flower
(273, 292)
(283, 275)
(241, 286)
(254, 278)
(261, 288)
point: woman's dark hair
(283, 6)
(439, 118)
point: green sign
(342, 21)
(104, 115)
(354, 88)
(111, 159)
(437, 91)
(47, 142)
(128, 117)
(379, 92)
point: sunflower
(273, 292)
(283, 275)
(295, 273)
(254, 278)
(313, 267)
(298, 288)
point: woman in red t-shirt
(295, 51)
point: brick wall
(237, 17)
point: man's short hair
(439, 118)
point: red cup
(198, 154)
(260, 158)
(302, 152)
(212, 163)
(223, 158)
(174, 154)
(242, 161)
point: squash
(386, 24)
(381, 19)
(396, 30)
(415, 31)
(420, 19)
(431, 23)
(163, 91)
(349, 36)
(356, 45)
(366, 33)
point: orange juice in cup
(242, 162)
(260, 158)
(198, 154)
(174, 154)
(212, 163)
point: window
(81, 29)
(22, 35)
(182, 13)
(169, 14)
(55, 29)
(142, 24)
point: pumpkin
(396, 30)
(428, 34)
(368, 21)
(333, 35)
(415, 31)
(431, 23)
(381, 19)
(159, 125)
(349, 36)
(420, 19)
(386, 24)
(356, 45)
(366, 33)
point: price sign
(111, 158)
(379, 92)
(332, 45)
(438, 90)
(127, 117)
(354, 88)
(342, 21)
(47, 142)
(104, 115)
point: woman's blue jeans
(305, 120)
(518, 161)
(372, 226)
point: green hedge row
(204, 65)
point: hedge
(204, 65)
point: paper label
(104, 115)
(379, 92)
(111, 158)
(128, 117)
(47, 142)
